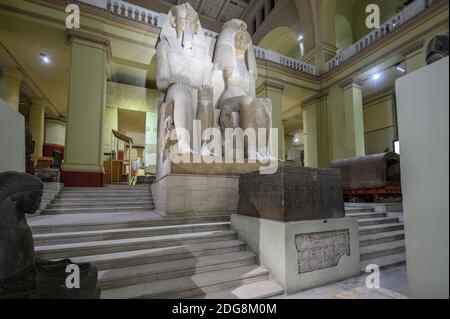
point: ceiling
(21, 43)
(213, 13)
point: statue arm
(162, 67)
(252, 62)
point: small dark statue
(21, 274)
(437, 48)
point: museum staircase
(381, 234)
(140, 254)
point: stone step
(358, 210)
(107, 188)
(378, 207)
(98, 204)
(106, 192)
(141, 274)
(385, 261)
(380, 238)
(109, 225)
(96, 210)
(123, 199)
(104, 196)
(381, 228)
(381, 250)
(255, 290)
(106, 200)
(112, 234)
(377, 221)
(163, 254)
(120, 245)
(366, 215)
(188, 286)
(197, 214)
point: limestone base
(196, 194)
(275, 245)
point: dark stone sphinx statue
(21, 274)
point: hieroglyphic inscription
(321, 250)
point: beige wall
(12, 139)
(379, 123)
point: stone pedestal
(294, 221)
(293, 193)
(181, 194)
(303, 254)
(199, 188)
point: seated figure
(183, 74)
(234, 80)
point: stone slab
(293, 193)
(366, 293)
(191, 194)
(196, 164)
(303, 254)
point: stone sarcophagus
(293, 193)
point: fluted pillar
(36, 120)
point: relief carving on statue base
(321, 250)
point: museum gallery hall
(217, 149)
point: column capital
(13, 74)
(39, 102)
(351, 83)
(313, 99)
(87, 37)
(273, 86)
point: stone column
(10, 87)
(414, 57)
(274, 91)
(55, 136)
(37, 125)
(320, 55)
(315, 131)
(151, 129)
(354, 119)
(83, 165)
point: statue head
(236, 25)
(22, 189)
(183, 23)
(242, 41)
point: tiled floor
(393, 279)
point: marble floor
(392, 279)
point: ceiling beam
(224, 8)
(200, 6)
(252, 4)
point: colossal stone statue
(234, 79)
(21, 275)
(184, 75)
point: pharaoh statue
(234, 79)
(21, 274)
(184, 76)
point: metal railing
(408, 13)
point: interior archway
(344, 32)
(282, 40)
